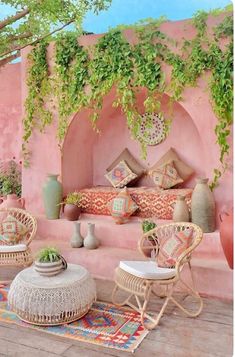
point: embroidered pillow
(120, 175)
(184, 170)
(171, 247)
(166, 176)
(122, 206)
(132, 163)
(13, 229)
(4, 240)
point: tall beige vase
(203, 206)
(181, 211)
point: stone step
(118, 236)
(212, 276)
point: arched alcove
(86, 154)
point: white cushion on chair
(147, 270)
(13, 248)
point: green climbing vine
(37, 115)
(84, 76)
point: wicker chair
(18, 255)
(139, 279)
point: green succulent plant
(148, 225)
(48, 255)
(73, 198)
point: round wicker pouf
(52, 300)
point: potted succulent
(148, 225)
(71, 206)
(49, 262)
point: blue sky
(130, 11)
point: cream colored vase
(203, 206)
(90, 241)
(181, 212)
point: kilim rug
(104, 325)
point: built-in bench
(119, 242)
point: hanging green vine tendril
(72, 71)
(39, 88)
(85, 77)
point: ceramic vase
(90, 241)
(181, 211)
(71, 212)
(76, 239)
(203, 206)
(50, 269)
(12, 201)
(52, 196)
(226, 235)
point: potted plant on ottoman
(71, 206)
(49, 262)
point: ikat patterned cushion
(171, 247)
(120, 175)
(122, 206)
(183, 169)
(4, 240)
(166, 176)
(132, 163)
(12, 229)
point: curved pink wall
(86, 155)
(115, 136)
(10, 111)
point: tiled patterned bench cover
(151, 201)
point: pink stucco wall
(10, 112)
(85, 154)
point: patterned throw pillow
(12, 229)
(122, 206)
(166, 176)
(120, 175)
(184, 170)
(132, 163)
(4, 240)
(170, 248)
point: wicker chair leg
(122, 303)
(148, 321)
(192, 292)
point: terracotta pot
(72, 212)
(12, 201)
(226, 235)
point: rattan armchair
(20, 254)
(139, 284)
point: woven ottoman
(54, 300)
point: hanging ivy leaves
(113, 61)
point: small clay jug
(12, 201)
(72, 212)
(90, 241)
(76, 239)
(181, 211)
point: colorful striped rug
(104, 325)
